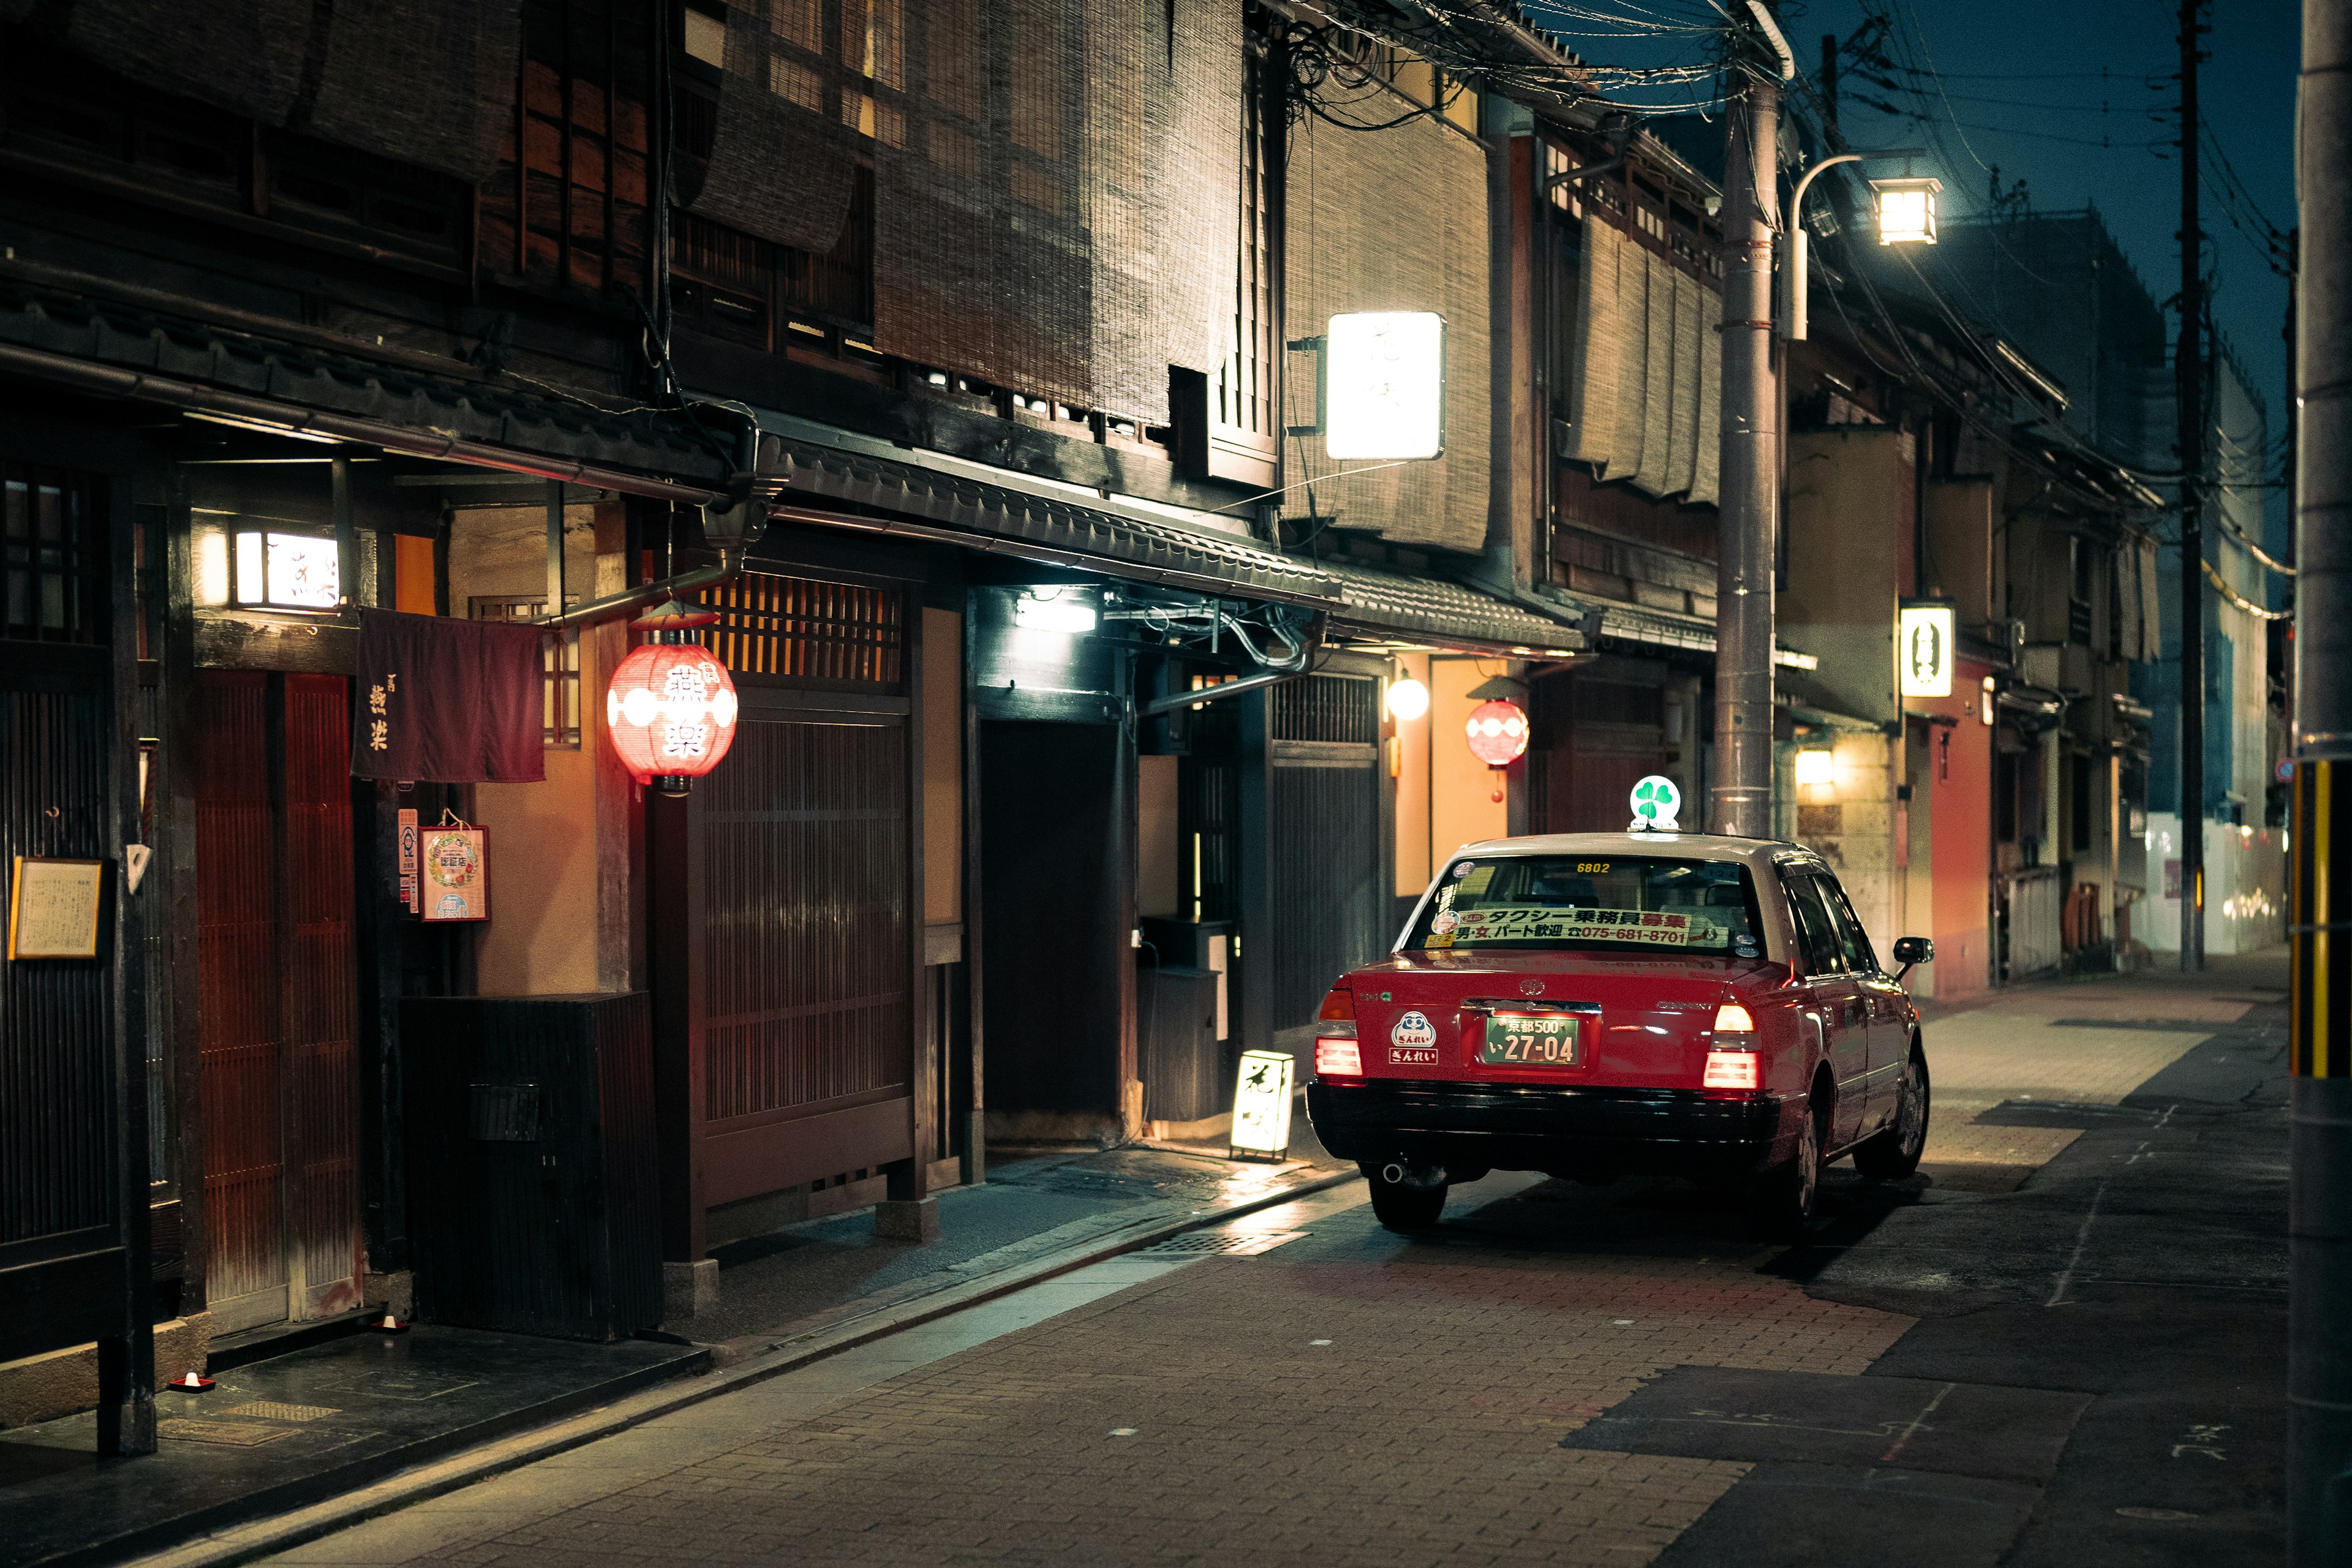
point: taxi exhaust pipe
(1397, 1173)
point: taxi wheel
(1894, 1153)
(1401, 1209)
(1780, 1202)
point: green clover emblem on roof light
(1656, 803)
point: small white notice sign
(53, 908)
(1262, 1105)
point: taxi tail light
(1731, 1018)
(1339, 1003)
(1728, 1069)
(1337, 1058)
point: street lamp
(1408, 699)
(1911, 217)
(1907, 210)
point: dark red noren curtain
(447, 701)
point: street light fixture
(1907, 208)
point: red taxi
(1597, 1004)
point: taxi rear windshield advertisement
(1617, 902)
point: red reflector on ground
(1337, 1058)
(1730, 1069)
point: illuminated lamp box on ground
(532, 1175)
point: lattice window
(559, 662)
(807, 628)
(1327, 708)
(1243, 399)
(52, 555)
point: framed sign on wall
(53, 907)
(457, 874)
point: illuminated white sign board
(1925, 650)
(1384, 374)
(293, 571)
(1262, 1105)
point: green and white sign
(1656, 803)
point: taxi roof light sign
(1657, 804)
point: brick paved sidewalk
(2066, 1041)
(804, 1279)
(1352, 1397)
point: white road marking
(2082, 1237)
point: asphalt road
(2077, 1360)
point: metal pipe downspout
(110, 381)
(1218, 692)
(730, 564)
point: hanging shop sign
(456, 872)
(53, 907)
(671, 706)
(1924, 636)
(1497, 732)
(448, 702)
(1657, 805)
(1262, 1107)
(1385, 385)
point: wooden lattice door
(276, 997)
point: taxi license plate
(1539, 1040)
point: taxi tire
(1403, 1209)
(1894, 1154)
(1780, 1202)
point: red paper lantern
(671, 710)
(1497, 732)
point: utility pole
(2319, 1200)
(1749, 510)
(2188, 399)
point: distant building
(2063, 295)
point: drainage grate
(1226, 1243)
(229, 1433)
(278, 1410)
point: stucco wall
(1461, 788)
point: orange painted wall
(1960, 790)
(413, 575)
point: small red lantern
(1497, 732)
(671, 705)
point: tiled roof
(1433, 609)
(304, 377)
(1005, 505)
(1130, 537)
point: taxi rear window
(1652, 903)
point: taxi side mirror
(1912, 951)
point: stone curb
(260, 1538)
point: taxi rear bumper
(1562, 1128)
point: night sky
(2023, 80)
